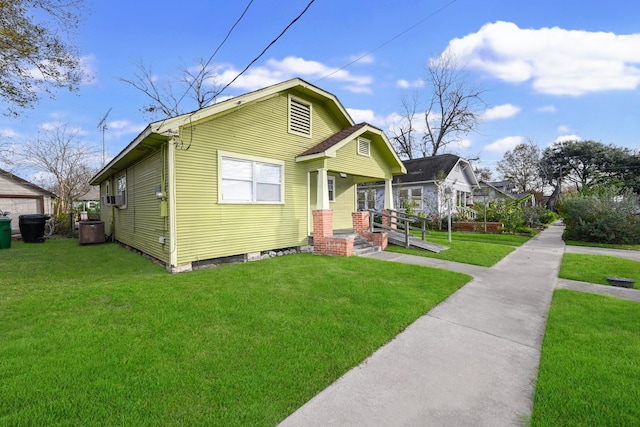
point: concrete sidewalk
(471, 361)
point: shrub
(602, 215)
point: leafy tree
(602, 214)
(485, 174)
(35, 54)
(586, 164)
(522, 167)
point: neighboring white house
(425, 186)
(21, 197)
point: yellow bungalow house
(257, 172)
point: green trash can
(5, 233)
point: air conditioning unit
(120, 199)
(108, 200)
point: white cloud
(505, 144)
(504, 111)
(275, 71)
(564, 138)
(368, 116)
(86, 68)
(119, 128)
(564, 129)
(547, 109)
(464, 143)
(555, 60)
(362, 59)
(8, 133)
(406, 84)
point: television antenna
(103, 126)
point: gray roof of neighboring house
(428, 168)
(26, 183)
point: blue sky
(551, 70)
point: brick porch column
(322, 228)
(387, 221)
(360, 222)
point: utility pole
(103, 126)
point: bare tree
(65, 164)
(455, 106)
(522, 167)
(403, 138)
(35, 54)
(199, 84)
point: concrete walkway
(471, 361)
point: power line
(215, 52)
(388, 41)
(266, 48)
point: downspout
(171, 189)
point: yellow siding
(207, 229)
(139, 224)
(350, 162)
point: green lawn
(603, 245)
(468, 248)
(596, 268)
(590, 363)
(96, 335)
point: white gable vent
(299, 117)
(364, 147)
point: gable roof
(331, 145)
(429, 168)
(164, 130)
(332, 141)
(26, 183)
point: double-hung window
(331, 186)
(366, 199)
(245, 179)
(410, 196)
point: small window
(331, 185)
(121, 190)
(299, 117)
(250, 181)
(364, 147)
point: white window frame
(370, 196)
(121, 190)
(361, 142)
(290, 122)
(418, 203)
(254, 161)
(331, 187)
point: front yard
(469, 248)
(96, 335)
(589, 366)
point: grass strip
(468, 248)
(589, 366)
(96, 335)
(596, 268)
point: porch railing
(466, 213)
(399, 222)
